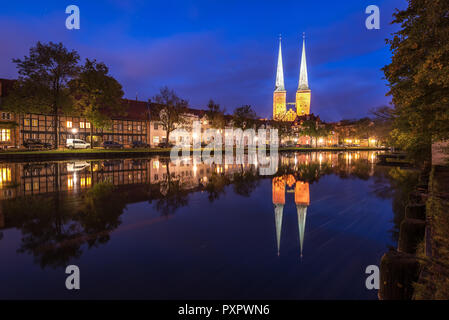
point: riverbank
(433, 283)
(66, 154)
(419, 268)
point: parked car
(163, 145)
(77, 144)
(36, 144)
(77, 166)
(139, 144)
(112, 145)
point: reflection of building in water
(23, 179)
(279, 202)
(302, 200)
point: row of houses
(138, 124)
(135, 125)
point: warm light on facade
(5, 135)
(5, 175)
(70, 182)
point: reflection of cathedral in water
(284, 184)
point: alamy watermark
(373, 20)
(73, 20)
(72, 282)
(255, 144)
(372, 281)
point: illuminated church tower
(303, 93)
(280, 95)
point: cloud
(343, 58)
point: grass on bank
(166, 150)
(82, 151)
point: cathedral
(302, 104)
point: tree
(42, 83)
(383, 122)
(309, 127)
(324, 130)
(97, 95)
(244, 117)
(215, 115)
(418, 75)
(364, 129)
(284, 128)
(171, 110)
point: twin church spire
(280, 71)
(302, 104)
(303, 80)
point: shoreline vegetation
(62, 154)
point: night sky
(224, 50)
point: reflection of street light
(74, 131)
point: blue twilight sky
(225, 50)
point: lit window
(26, 122)
(69, 124)
(139, 127)
(5, 175)
(34, 122)
(70, 182)
(156, 165)
(5, 135)
(130, 127)
(156, 139)
(6, 116)
(88, 125)
(82, 125)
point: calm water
(146, 228)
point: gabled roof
(136, 110)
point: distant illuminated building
(303, 93)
